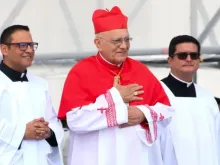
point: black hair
(6, 34)
(182, 39)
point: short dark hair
(182, 39)
(6, 34)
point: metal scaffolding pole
(207, 30)
(13, 14)
(209, 26)
(193, 18)
(193, 24)
(71, 24)
(205, 17)
(136, 10)
(132, 52)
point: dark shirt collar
(12, 74)
(179, 88)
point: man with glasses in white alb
(30, 132)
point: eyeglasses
(24, 45)
(184, 55)
(119, 41)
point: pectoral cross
(117, 78)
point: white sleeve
(109, 110)
(216, 116)
(11, 131)
(158, 118)
(11, 136)
(55, 156)
(167, 148)
(217, 129)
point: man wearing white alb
(30, 133)
(195, 123)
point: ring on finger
(135, 93)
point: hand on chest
(132, 89)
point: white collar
(187, 83)
(22, 75)
(108, 61)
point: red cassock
(93, 76)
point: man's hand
(37, 129)
(128, 92)
(30, 132)
(42, 129)
(135, 116)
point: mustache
(188, 64)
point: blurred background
(65, 34)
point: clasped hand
(37, 129)
(135, 116)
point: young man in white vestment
(195, 124)
(30, 133)
(114, 106)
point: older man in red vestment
(114, 106)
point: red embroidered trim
(110, 112)
(161, 117)
(154, 116)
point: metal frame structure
(147, 55)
